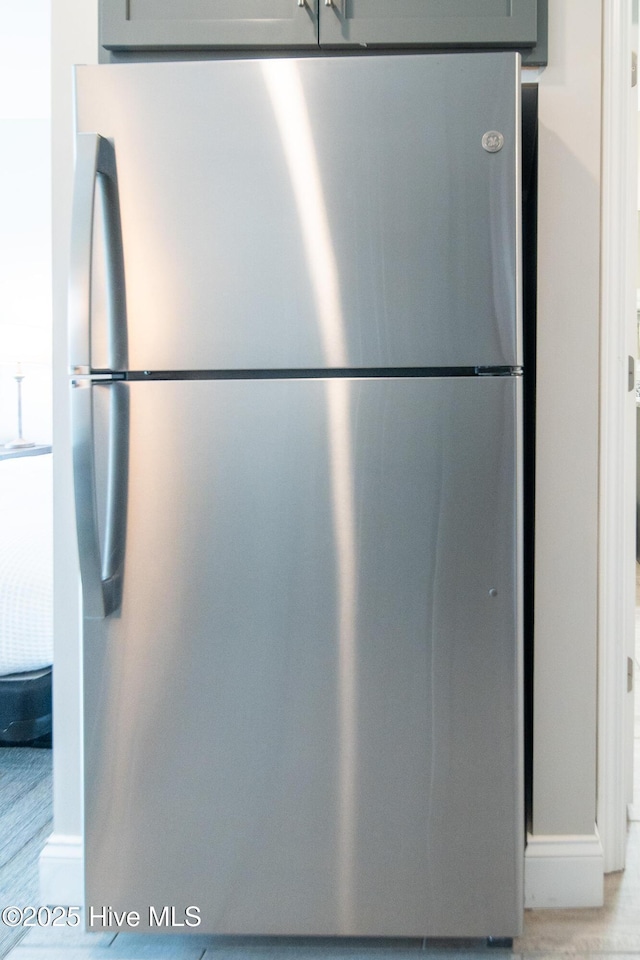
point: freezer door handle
(101, 561)
(95, 162)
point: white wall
(564, 858)
(564, 781)
(25, 222)
(74, 40)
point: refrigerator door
(305, 715)
(309, 213)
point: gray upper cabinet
(198, 24)
(434, 22)
(183, 29)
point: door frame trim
(616, 593)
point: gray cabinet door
(167, 24)
(164, 29)
(437, 22)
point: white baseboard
(61, 871)
(564, 871)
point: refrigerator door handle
(101, 565)
(95, 158)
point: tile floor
(611, 932)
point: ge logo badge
(492, 141)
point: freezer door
(308, 213)
(305, 715)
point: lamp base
(19, 444)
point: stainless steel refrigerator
(296, 390)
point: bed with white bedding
(26, 596)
